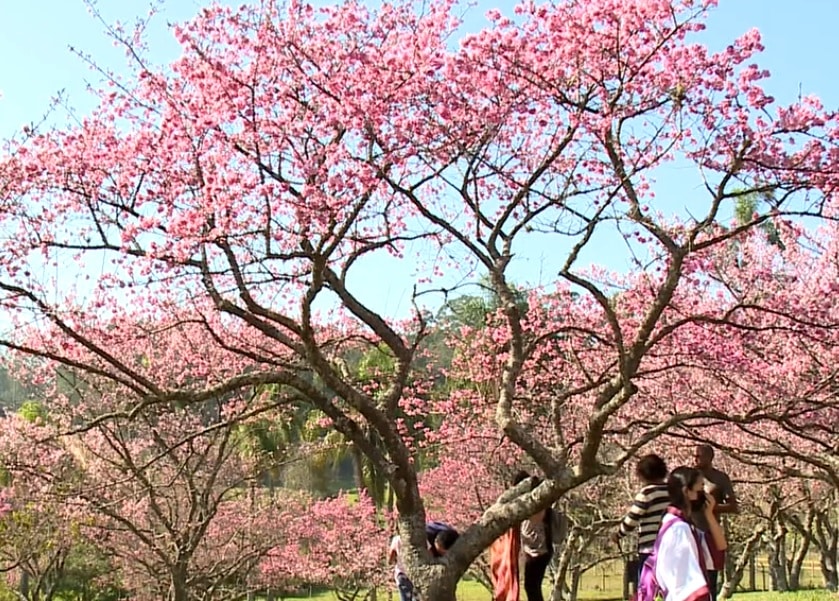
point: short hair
(681, 478)
(651, 468)
(447, 538)
(706, 450)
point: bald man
(717, 483)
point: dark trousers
(713, 579)
(406, 588)
(534, 573)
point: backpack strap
(664, 528)
(696, 537)
(700, 547)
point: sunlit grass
(473, 591)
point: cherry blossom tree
(234, 195)
(167, 498)
(784, 372)
(177, 510)
(339, 542)
(39, 532)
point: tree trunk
(435, 584)
(576, 576)
(827, 538)
(358, 469)
(560, 591)
(829, 564)
(778, 557)
(24, 584)
(797, 564)
(746, 557)
(177, 586)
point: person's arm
(729, 504)
(714, 529)
(632, 518)
(393, 550)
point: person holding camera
(682, 556)
(719, 486)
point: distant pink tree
(172, 500)
(169, 499)
(38, 530)
(339, 542)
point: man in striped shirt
(648, 507)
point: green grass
(605, 583)
(472, 591)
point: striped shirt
(645, 515)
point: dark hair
(446, 538)
(651, 468)
(520, 477)
(705, 450)
(681, 478)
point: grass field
(472, 591)
(605, 583)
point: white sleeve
(394, 544)
(677, 565)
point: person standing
(539, 534)
(683, 552)
(648, 507)
(403, 583)
(504, 555)
(718, 485)
(535, 537)
(440, 536)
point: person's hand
(710, 505)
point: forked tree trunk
(746, 558)
(561, 592)
(827, 538)
(797, 564)
(778, 557)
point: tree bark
(177, 585)
(778, 557)
(435, 583)
(746, 558)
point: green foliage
(474, 310)
(7, 593)
(376, 363)
(87, 577)
(33, 411)
(747, 206)
(466, 310)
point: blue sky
(35, 63)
